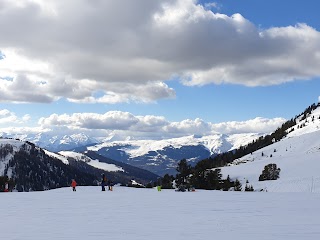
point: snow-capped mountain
(158, 156)
(33, 168)
(162, 156)
(297, 155)
(53, 142)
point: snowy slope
(4, 160)
(57, 156)
(297, 155)
(145, 214)
(92, 162)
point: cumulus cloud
(188, 126)
(211, 5)
(7, 117)
(127, 50)
(126, 124)
(259, 125)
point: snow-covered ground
(138, 214)
(92, 162)
(297, 155)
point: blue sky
(178, 61)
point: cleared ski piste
(129, 213)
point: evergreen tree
(227, 184)
(237, 185)
(248, 188)
(213, 178)
(167, 181)
(184, 170)
(270, 172)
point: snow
(216, 143)
(144, 214)
(57, 156)
(92, 162)
(16, 145)
(297, 155)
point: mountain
(297, 155)
(162, 156)
(94, 163)
(34, 168)
(53, 142)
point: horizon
(156, 69)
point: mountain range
(162, 156)
(157, 156)
(296, 153)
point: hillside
(35, 169)
(119, 172)
(297, 155)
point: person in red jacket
(6, 187)
(73, 185)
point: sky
(152, 68)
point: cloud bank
(125, 51)
(125, 124)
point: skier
(6, 187)
(103, 182)
(73, 185)
(110, 185)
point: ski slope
(297, 155)
(144, 214)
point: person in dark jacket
(103, 182)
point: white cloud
(256, 125)
(10, 118)
(114, 120)
(185, 127)
(149, 127)
(7, 117)
(26, 117)
(126, 50)
(211, 5)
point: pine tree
(184, 169)
(270, 172)
(167, 181)
(227, 184)
(248, 188)
(237, 185)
